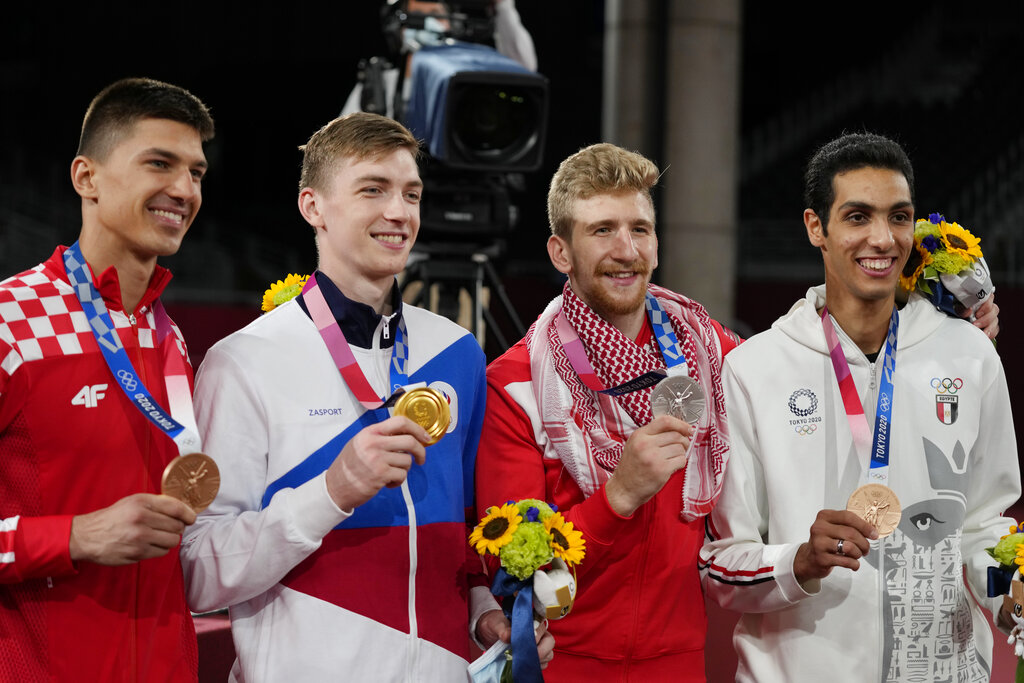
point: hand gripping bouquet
(1005, 580)
(946, 266)
(538, 551)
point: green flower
(948, 262)
(1005, 551)
(924, 228)
(529, 548)
(543, 510)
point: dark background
(943, 78)
(272, 73)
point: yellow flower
(1019, 560)
(496, 529)
(916, 263)
(282, 291)
(960, 241)
(566, 542)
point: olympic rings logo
(127, 380)
(883, 402)
(805, 430)
(947, 385)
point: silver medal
(679, 396)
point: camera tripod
(455, 268)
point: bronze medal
(428, 408)
(193, 479)
(679, 396)
(877, 505)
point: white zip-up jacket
(906, 613)
(380, 593)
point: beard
(608, 305)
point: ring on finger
(839, 547)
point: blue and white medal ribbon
(181, 427)
(664, 336)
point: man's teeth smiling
(176, 217)
(876, 263)
(393, 239)
(621, 275)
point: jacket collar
(358, 321)
(108, 283)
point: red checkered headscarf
(592, 430)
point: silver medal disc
(679, 396)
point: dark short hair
(848, 153)
(122, 104)
(359, 136)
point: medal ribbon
(664, 335)
(345, 361)
(180, 424)
(878, 456)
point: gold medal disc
(428, 408)
(193, 479)
(877, 505)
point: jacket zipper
(146, 456)
(386, 325)
(644, 543)
(414, 639)
(880, 577)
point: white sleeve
(739, 570)
(994, 482)
(510, 36)
(238, 549)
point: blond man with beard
(569, 420)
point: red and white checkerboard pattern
(40, 317)
(7, 529)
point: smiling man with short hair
(851, 511)
(570, 421)
(339, 538)
(90, 591)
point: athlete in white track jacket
(905, 614)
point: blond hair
(598, 169)
(360, 135)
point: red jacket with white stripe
(72, 443)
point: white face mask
(432, 33)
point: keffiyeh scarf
(586, 430)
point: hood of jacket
(918, 319)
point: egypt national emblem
(946, 399)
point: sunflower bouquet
(283, 290)
(1005, 580)
(538, 551)
(946, 266)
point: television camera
(482, 118)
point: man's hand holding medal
(656, 451)
(381, 455)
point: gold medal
(428, 408)
(877, 505)
(193, 479)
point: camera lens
(494, 123)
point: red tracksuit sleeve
(510, 466)
(32, 547)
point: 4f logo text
(89, 396)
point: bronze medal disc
(679, 396)
(877, 505)
(193, 479)
(428, 408)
